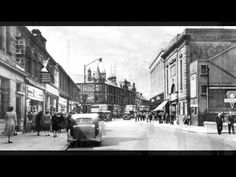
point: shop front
(12, 84)
(34, 104)
(51, 98)
(62, 105)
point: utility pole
(68, 55)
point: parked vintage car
(88, 127)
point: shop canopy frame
(161, 106)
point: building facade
(211, 83)
(157, 81)
(192, 45)
(22, 84)
(100, 90)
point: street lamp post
(100, 60)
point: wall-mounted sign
(231, 98)
(45, 77)
(34, 93)
(52, 90)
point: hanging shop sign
(34, 93)
(45, 77)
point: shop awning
(161, 106)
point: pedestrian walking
(172, 118)
(68, 121)
(189, 120)
(39, 122)
(230, 123)
(47, 123)
(219, 122)
(150, 117)
(185, 120)
(55, 124)
(11, 122)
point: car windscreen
(84, 120)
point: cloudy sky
(126, 51)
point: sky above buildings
(126, 51)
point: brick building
(101, 90)
(24, 53)
(199, 46)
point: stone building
(157, 81)
(190, 46)
(12, 78)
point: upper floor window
(18, 87)
(204, 89)
(172, 70)
(203, 69)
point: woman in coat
(47, 123)
(11, 121)
(55, 124)
(38, 122)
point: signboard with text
(45, 77)
(34, 93)
(231, 98)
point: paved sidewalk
(30, 141)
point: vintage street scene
(117, 88)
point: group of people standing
(47, 122)
(220, 119)
(152, 116)
(54, 122)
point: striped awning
(161, 106)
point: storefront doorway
(18, 112)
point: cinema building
(198, 72)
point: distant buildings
(101, 90)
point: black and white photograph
(117, 88)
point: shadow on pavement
(107, 141)
(113, 141)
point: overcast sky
(126, 51)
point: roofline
(162, 50)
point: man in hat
(230, 122)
